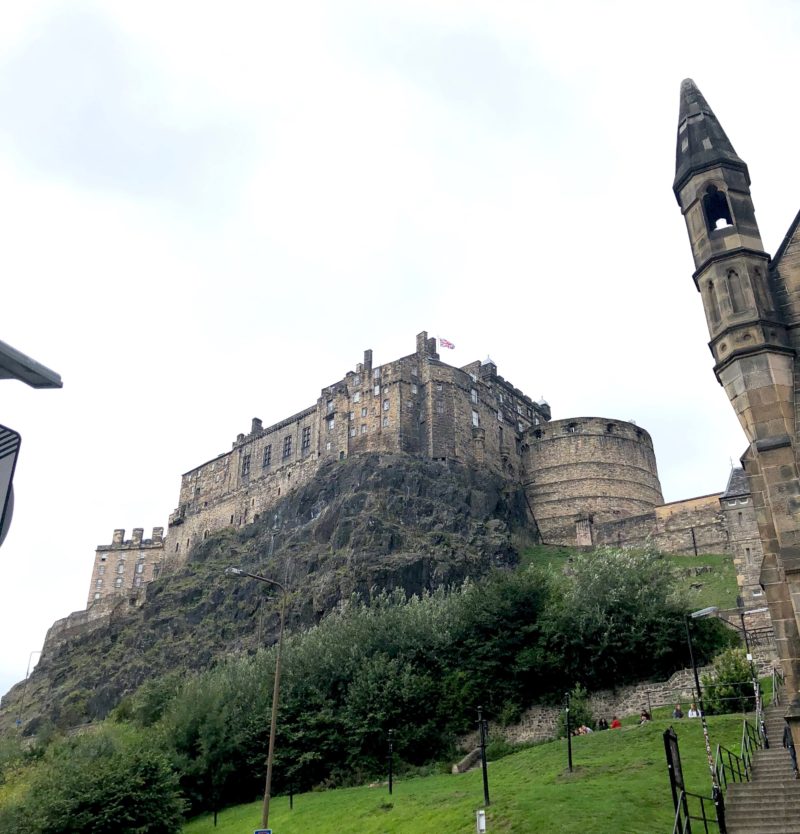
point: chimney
(255, 427)
(119, 536)
(137, 535)
(158, 535)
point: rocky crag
(369, 522)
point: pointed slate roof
(702, 143)
(738, 484)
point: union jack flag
(445, 344)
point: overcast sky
(210, 210)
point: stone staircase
(770, 802)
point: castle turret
(754, 360)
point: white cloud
(209, 213)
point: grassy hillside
(706, 579)
(619, 784)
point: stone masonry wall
(589, 467)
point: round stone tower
(589, 469)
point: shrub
(730, 687)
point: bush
(579, 712)
(106, 782)
(730, 687)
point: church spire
(702, 143)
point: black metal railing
(692, 807)
(730, 767)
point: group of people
(678, 712)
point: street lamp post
(482, 727)
(390, 757)
(231, 571)
(716, 792)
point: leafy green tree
(730, 687)
(106, 782)
(579, 712)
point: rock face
(369, 522)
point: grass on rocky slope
(619, 784)
(707, 579)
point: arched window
(735, 291)
(716, 208)
(713, 306)
(118, 582)
(120, 567)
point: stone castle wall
(589, 468)
(416, 404)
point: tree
(111, 781)
(730, 687)
(579, 712)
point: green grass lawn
(715, 587)
(619, 784)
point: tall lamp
(231, 571)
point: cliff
(371, 521)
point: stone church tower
(752, 306)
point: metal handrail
(777, 683)
(729, 767)
(683, 818)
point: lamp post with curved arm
(231, 571)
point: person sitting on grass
(602, 724)
(644, 717)
(677, 712)
(615, 723)
(693, 712)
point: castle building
(752, 307)
(587, 480)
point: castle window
(438, 386)
(385, 422)
(118, 582)
(476, 420)
(571, 428)
(758, 593)
(538, 434)
(328, 446)
(351, 415)
(519, 409)
(499, 415)
(99, 583)
(97, 596)
(353, 431)
(440, 406)
(413, 371)
(267, 455)
(330, 406)
(341, 455)
(331, 425)
(287, 442)
(377, 391)
(363, 428)
(140, 567)
(101, 570)
(356, 380)
(716, 208)
(376, 373)
(364, 411)
(245, 465)
(104, 557)
(500, 397)
(137, 582)
(747, 553)
(357, 397)
(473, 395)
(386, 405)
(610, 428)
(713, 306)
(520, 427)
(121, 567)
(740, 517)
(414, 388)
(306, 437)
